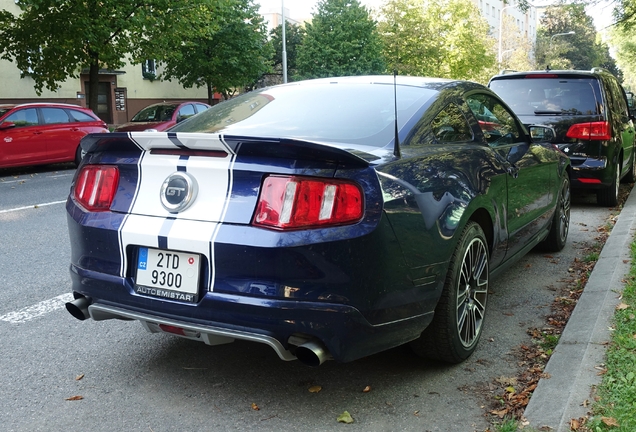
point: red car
(44, 133)
(162, 116)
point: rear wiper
(549, 112)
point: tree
(340, 40)
(436, 38)
(516, 48)
(226, 49)
(294, 35)
(53, 40)
(582, 49)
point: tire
(608, 196)
(561, 222)
(630, 177)
(457, 324)
(79, 154)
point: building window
(149, 69)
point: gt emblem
(178, 191)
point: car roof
(423, 82)
(594, 72)
(42, 104)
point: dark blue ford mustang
(305, 216)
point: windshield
(536, 96)
(352, 113)
(155, 113)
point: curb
(572, 372)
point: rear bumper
(591, 173)
(221, 317)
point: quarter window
(79, 116)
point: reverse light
(96, 186)
(595, 131)
(290, 202)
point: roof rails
(507, 71)
(599, 70)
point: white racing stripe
(32, 206)
(38, 309)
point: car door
(530, 169)
(621, 121)
(62, 136)
(23, 143)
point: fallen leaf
(79, 377)
(610, 421)
(314, 389)
(255, 407)
(74, 398)
(574, 424)
(367, 389)
(500, 413)
(622, 306)
(345, 417)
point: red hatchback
(44, 133)
(162, 116)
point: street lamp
(284, 51)
(560, 34)
(501, 14)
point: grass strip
(615, 407)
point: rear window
(536, 96)
(346, 113)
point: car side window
(495, 121)
(185, 112)
(201, 107)
(450, 126)
(54, 115)
(80, 116)
(23, 117)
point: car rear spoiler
(200, 143)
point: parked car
(44, 133)
(589, 112)
(331, 218)
(162, 116)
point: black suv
(589, 113)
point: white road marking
(38, 309)
(32, 206)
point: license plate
(168, 274)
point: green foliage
(624, 49)
(436, 38)
(617, 392)
(226, 48)
(581, 50)
(294, 35)
(341, 40)
(54, 40)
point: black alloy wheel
(561, 222)
(457, 324)
(608, 196)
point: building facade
(495, 10)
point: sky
(299, 9)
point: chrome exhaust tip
(312, 353)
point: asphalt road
(135, 381)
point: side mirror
(7, 125)
(541, 133)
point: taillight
(95, 187)
(597, 131)
(289, 202)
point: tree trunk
(210, 93)
(93, 85)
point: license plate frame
(168, 274)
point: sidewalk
(566, 394)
